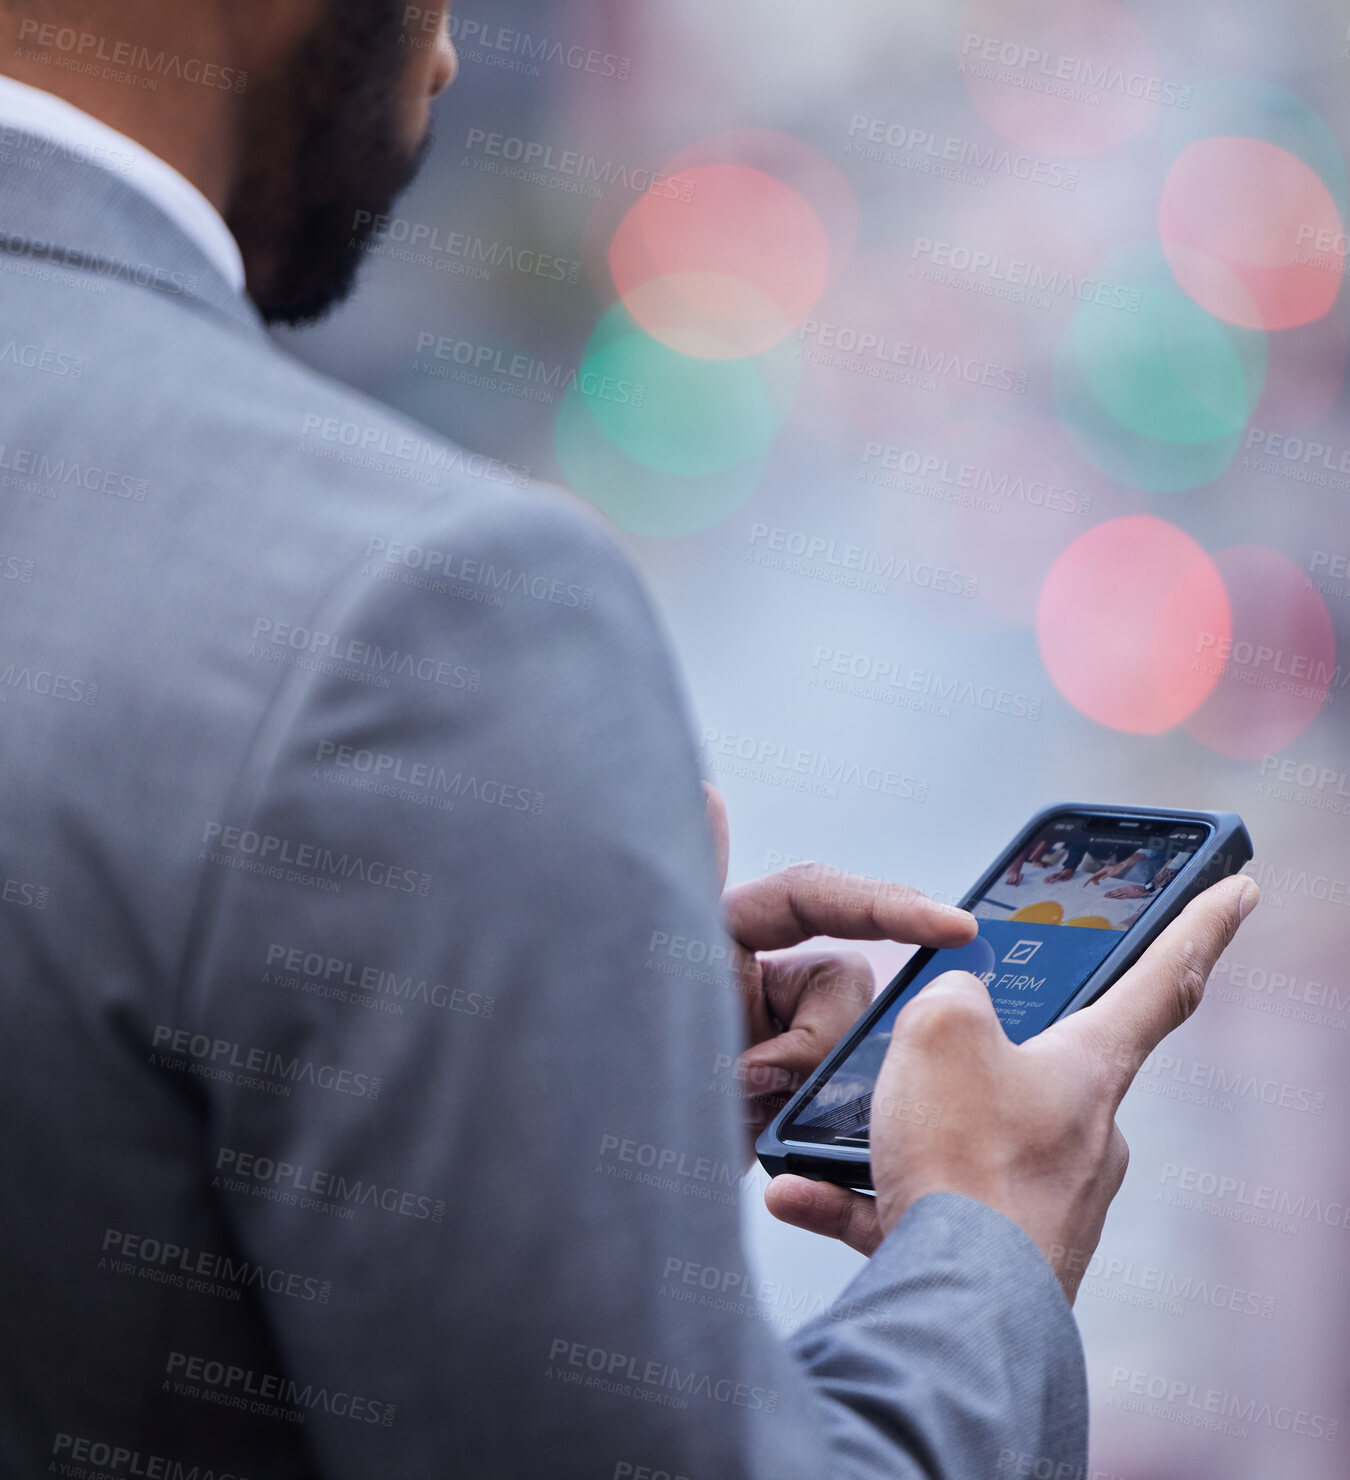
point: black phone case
(1228, 848)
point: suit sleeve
(460, 961)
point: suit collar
(71, 213)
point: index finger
(811, 899)
(1164, 987)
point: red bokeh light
(725, 268)
(1241, 221)
(1123, 620)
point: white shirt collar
(34, 111)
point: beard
(322, 155)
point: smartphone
(1065, 910)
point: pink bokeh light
(1249, 231)
(1273, 676)
(1060, 77)
(1124, 617)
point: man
(360, 1088)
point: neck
(131, 69)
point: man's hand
(1027, 1128)
(800, 1004)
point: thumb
(1163, 988)
(949, 1024)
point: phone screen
(1055, 910)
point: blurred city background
(967, 381)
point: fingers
(720, 830)
(811, 899)
(823, 1208)
(1164, 987)
(820, 997)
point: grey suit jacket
(360, 1118)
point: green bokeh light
(693, 416)
(665, 443)
(1158, 398)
